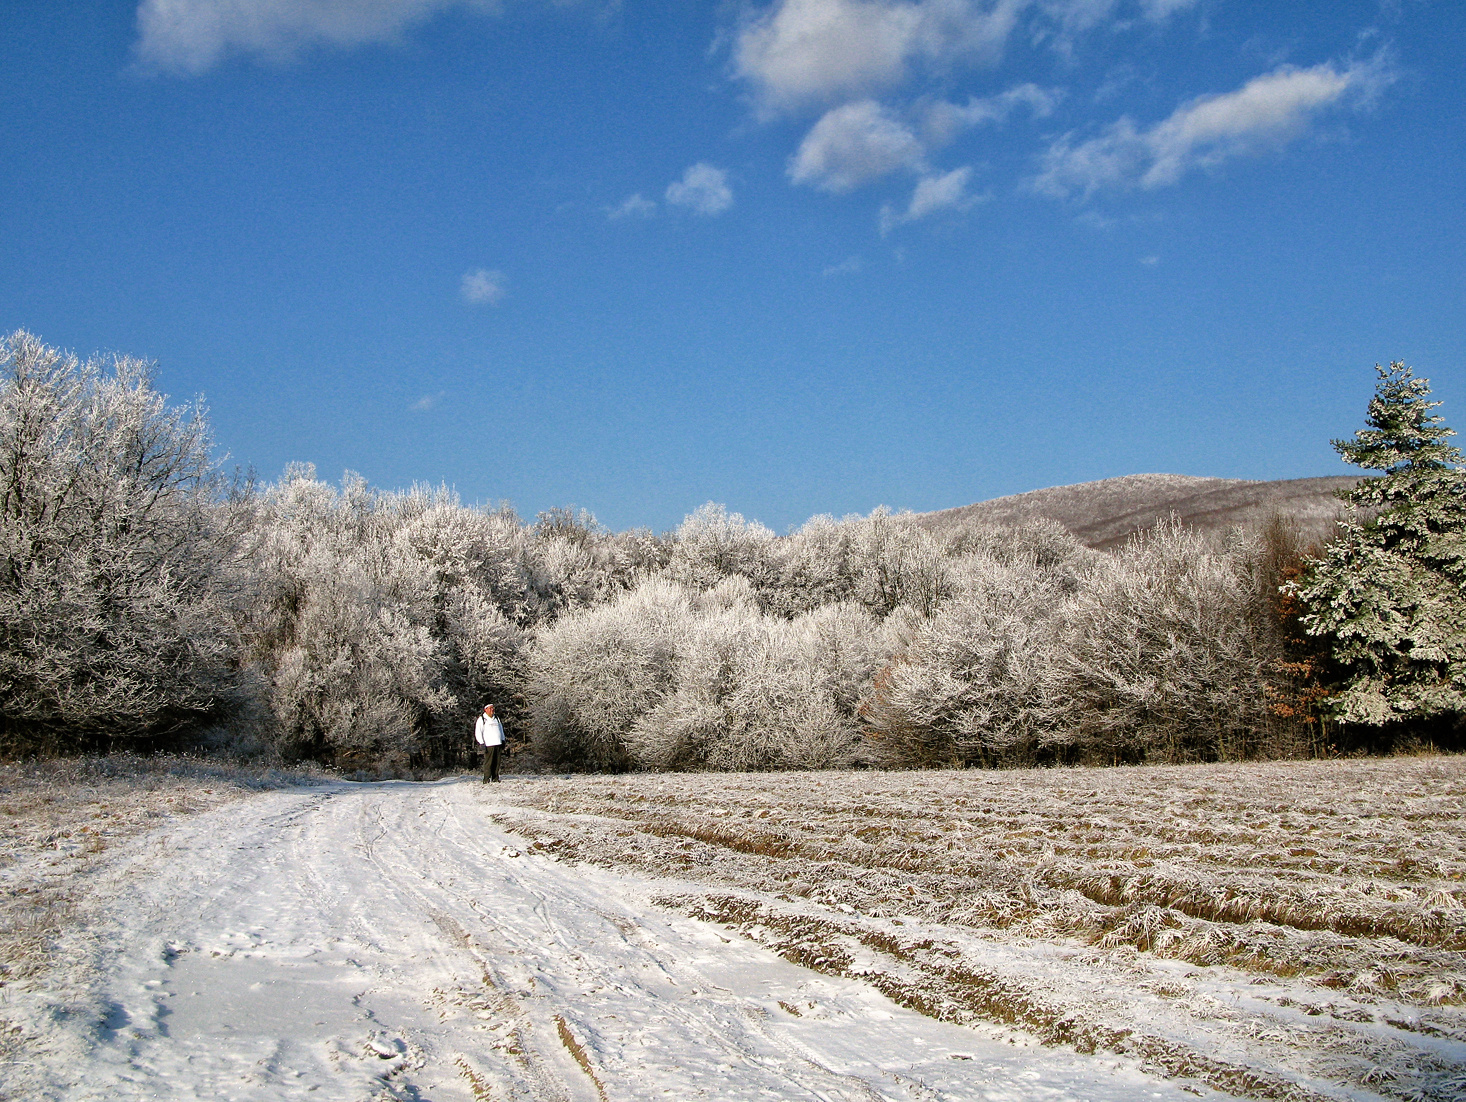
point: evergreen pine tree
(1389, 594)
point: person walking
(488, 732)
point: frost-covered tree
(469, 556)
(814, 567)
(970, 684)
(898, 563)
(116, 553)
(1045, 653)
(342, 624)
(381, 622)
(1162, 654)
(572, 561)
(884, 561)
(712, 544)
(669, 676)
(593, 674)
(757, 691)
(1389, 594)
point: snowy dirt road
(356, 941)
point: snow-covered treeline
(141, 593)
(377, 624)
(870, 641)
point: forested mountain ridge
(1105, 513)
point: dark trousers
(491, 763)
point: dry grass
(476, 1082)
(1333, 892)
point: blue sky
(800, 257)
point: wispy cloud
(703, 189)
(1066, 20)
(428, 401)
(802, 51)
(1164, 9)
(848, 266)
(190, 36)
(852, 144)
(943, 121)
(634, 206)
(483, 287)
(1265, 113)
(1093, 220)
(934, 193)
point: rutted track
(388, 940)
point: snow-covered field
(1279, 931)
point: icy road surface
(359, 941)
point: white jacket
(488, 731)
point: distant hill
(1103, 514)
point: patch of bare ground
(1284, 930)
(58, 821)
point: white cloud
(428, 401)
(946, 192)
(800, 51)
(852, 144)
(189, 36)
(635, 206)
(1266, 112)
(797, 52)
(933, 193)
(703, 188)
(483, 287)
(945, 120)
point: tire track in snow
(688, 1021)
(389, 941)
(563, 917)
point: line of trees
(145, 597)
